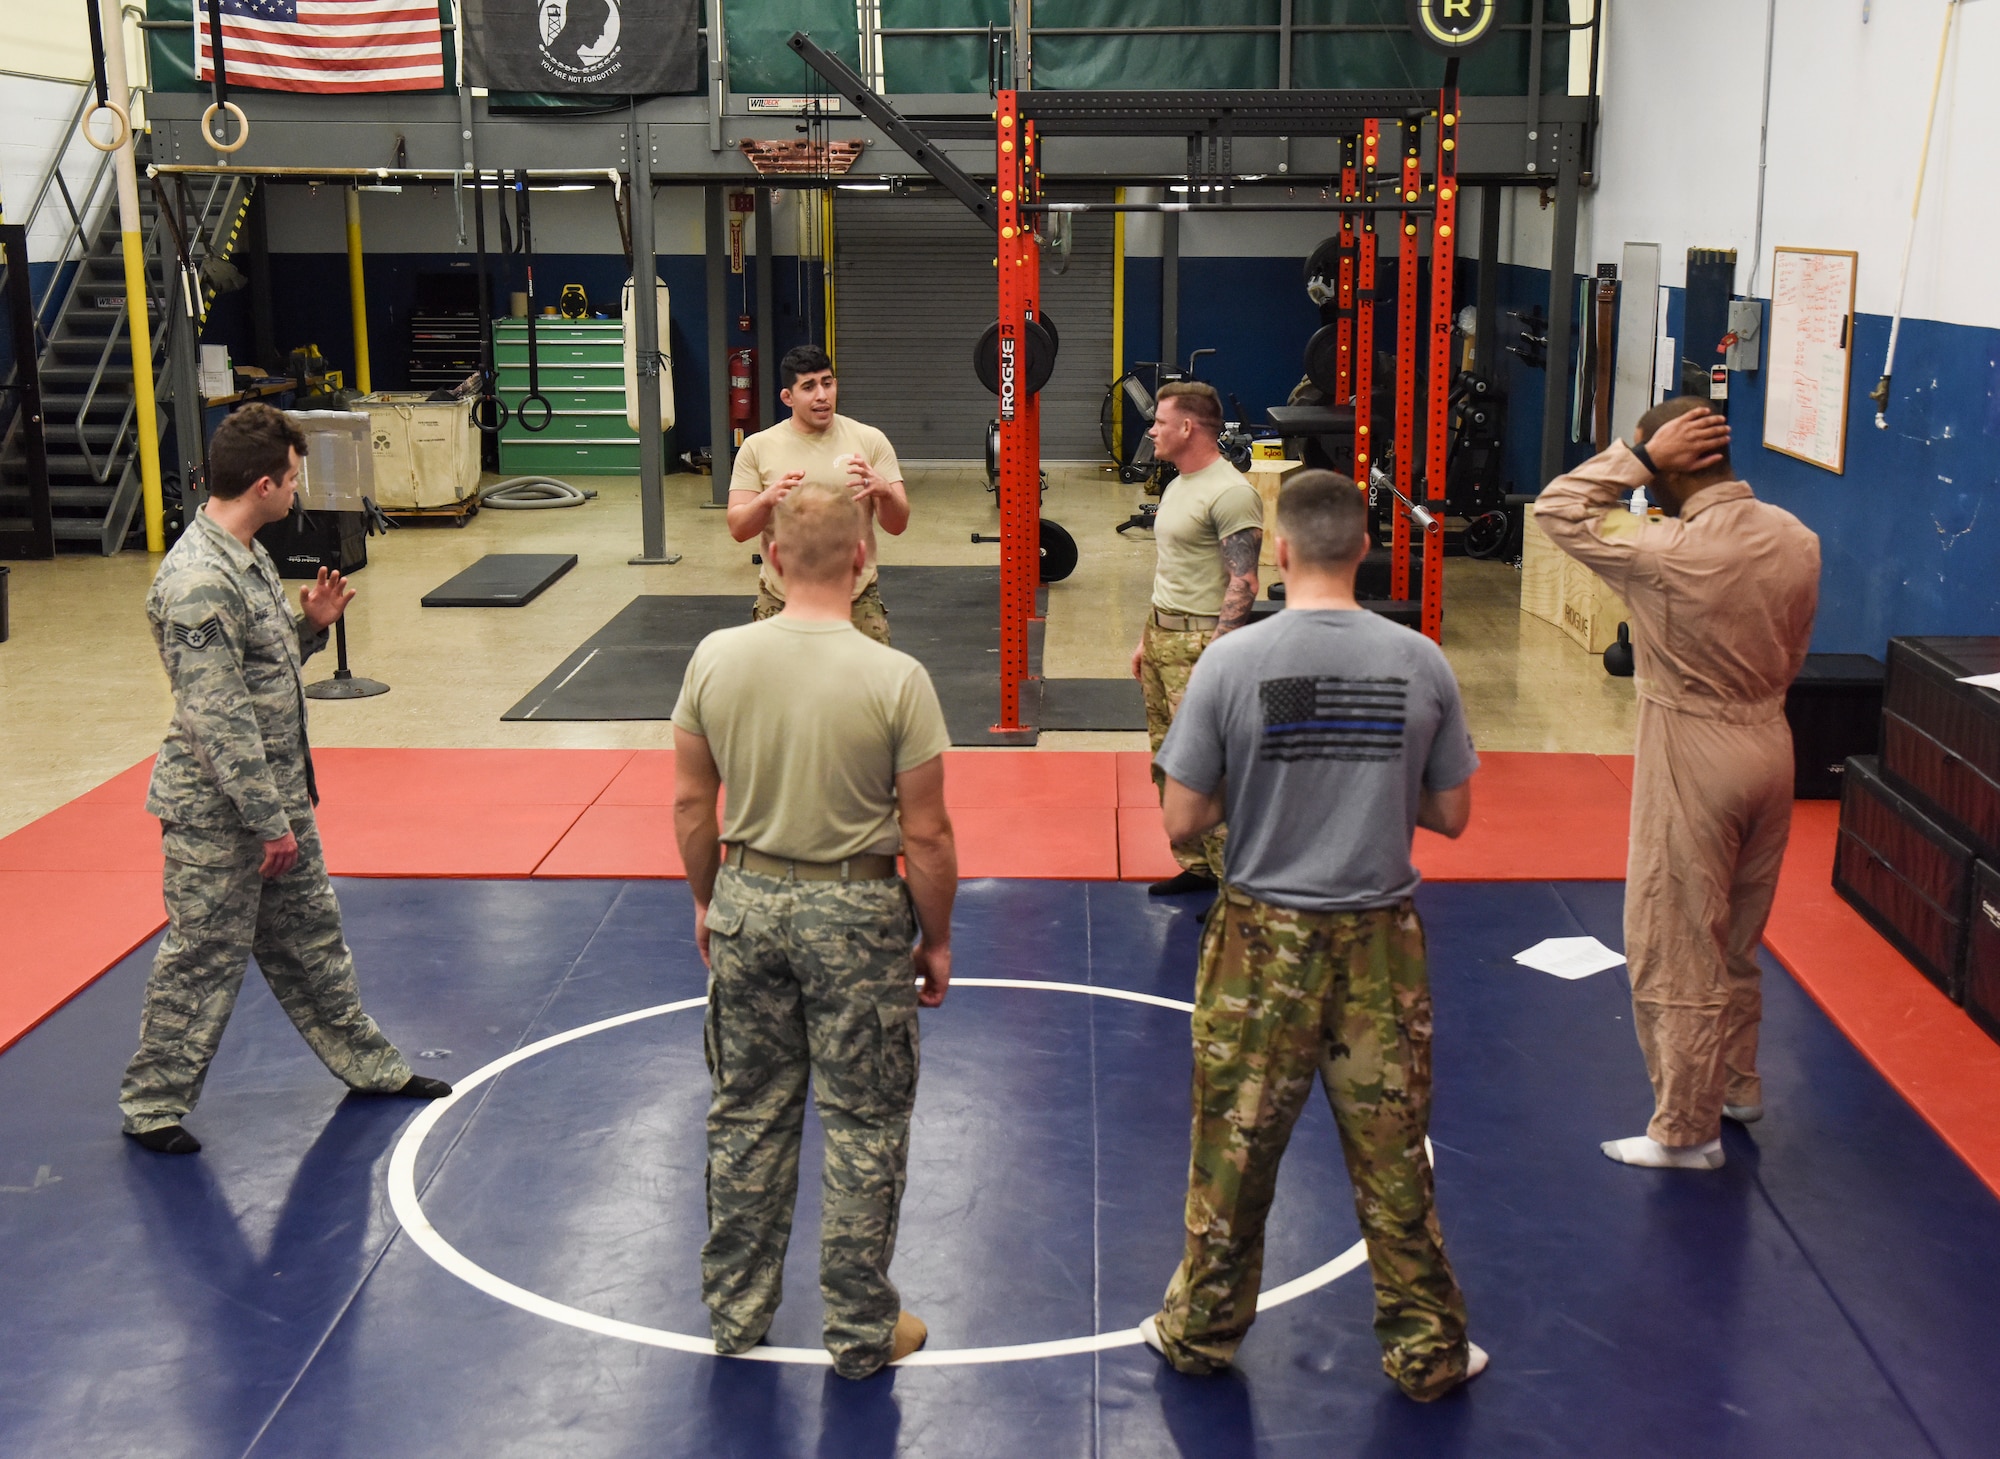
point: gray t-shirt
(1327, 725)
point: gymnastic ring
(124, 126)
(493, 417)
(242, 124)
(521, 412)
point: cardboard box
(1591, 612)
(426, 454)
(1268, 477)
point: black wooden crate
(1835, 710)
(1923, 688)
(1982, 950)
(1920, 765)
(1905, 871)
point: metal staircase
(88, 407)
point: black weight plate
(1041, 362)
(1325, 261)
(1058, 552)
(1055, 340)
(1323, 359)
(992, 451)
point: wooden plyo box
(1269, 477)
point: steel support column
(1562, 315)
(715, 198)
(1410, 186)
(1486, 332)
(1170, 288)
(1437, 429)
(1020, 451)
(645, 324)
(767, 331)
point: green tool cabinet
(583, 375)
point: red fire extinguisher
(742, 392)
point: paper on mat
(1983, 681)
(1569, 957)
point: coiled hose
(532, 493)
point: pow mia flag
(616, 47)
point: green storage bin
(574, 377)
(560, 458)
(565, 399)
(585, 428)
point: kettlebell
(1618, 656)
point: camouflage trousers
(220, 913)
(1280, 994)
(808, 979)
(871, 615)
(1166, 660)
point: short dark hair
(1673, 409)
(1325, 518)
(251, 444)
(1198, 399)
(802, 359)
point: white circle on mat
(410, 1212)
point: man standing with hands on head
(1208, 532)
(831, 749)
(234, 791)
(1328, 736)
(1722, 595)
(817, 445)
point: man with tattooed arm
(1208, 532)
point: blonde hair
(815, 530)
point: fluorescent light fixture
(863, 187)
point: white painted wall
(1678, 154)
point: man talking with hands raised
(819, 445)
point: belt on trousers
(1184, 622)
(874, 867)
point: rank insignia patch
(198, 635)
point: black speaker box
(1905, 871)
(1924, 688)
(303, 544)
(1835, 710)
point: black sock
(422, 1088)
(167, 1140)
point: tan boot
(909, 1336)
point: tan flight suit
(1722, 600)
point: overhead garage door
(914, 288)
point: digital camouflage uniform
(1282, 994)
(808, 978)
(1166, 660)
(235, 772)
(870, 614)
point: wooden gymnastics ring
(124, 126)
(242, 126)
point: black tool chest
(1919, 852)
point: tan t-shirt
(1197, 512)
(769, 454)
(810, 723)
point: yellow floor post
(145, 407)
(357, 292)
(1118, 323)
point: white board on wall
(1810, 339)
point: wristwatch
(1639, 454)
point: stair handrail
(81, 230)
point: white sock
(1645, 1150)
(1475, 1360)
(1744, 1114)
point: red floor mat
(647, 779)
(458, 840)
(65, 928)
(471, 778)
(1143, 853)
(1030, 780)
(1079, 845)
(113, 834)
(617, 841)
(1135, 778)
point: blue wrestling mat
(516, 1272)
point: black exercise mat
(1092, 704)
(501, 580)
(631, 668)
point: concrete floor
(82, 696)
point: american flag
(1321, 718)
(326, 45)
